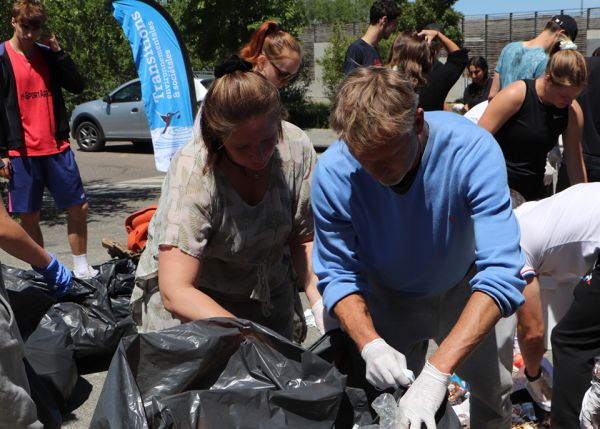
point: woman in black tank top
(528, 116)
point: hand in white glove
(386, 366)
(589, 418)
(323, 320)
(422, 400)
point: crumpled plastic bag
(217, 373)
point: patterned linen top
(244, 249)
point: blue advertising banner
(165, 74)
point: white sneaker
(541, 390)
(90, 273)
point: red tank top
(34, 94)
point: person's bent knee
(79, 210)
(30, 218)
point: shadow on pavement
(106, 200)
(126, 147)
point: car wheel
(89, 137)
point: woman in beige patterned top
(232, 236)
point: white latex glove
(323, 320)
(386, 366)
(541, 390)
(549, 174)
(589, 418)
(422, 400)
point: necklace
(246, 171)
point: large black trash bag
(338, 348)
(49, 352)
(29, 297)
(94, 326)
(217, 373)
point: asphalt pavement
(118, 182)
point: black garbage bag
(217, 373)
(338, 348)
(89, 311)
(49, 352)
(28, 296)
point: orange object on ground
(136, 225)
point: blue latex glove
(57, 276)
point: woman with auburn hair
(233, 232)
(527, 117)
(413, 57)
(274, 53)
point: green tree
(6, 29)
(214, 29)
(333, 60)
(332, 11)
(95, 41)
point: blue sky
(477, 7)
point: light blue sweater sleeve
(335, 261)
(499, 258)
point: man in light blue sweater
(415, 239)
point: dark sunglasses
(283, 75)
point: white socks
(80, 263)
(82, 268)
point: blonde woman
(232, 236)
(528, 116)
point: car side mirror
(107, 99)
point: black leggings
(575, 343)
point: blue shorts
(30, 175)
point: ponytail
(566, 66)
(271, 40)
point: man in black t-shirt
(383, 21)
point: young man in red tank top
(34, 130)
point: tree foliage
(213, 29)
(333, 60)
(332, 11)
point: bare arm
(449, 45)
(354, 316)
(302, 261)
(572, 146)
(503, 107)
(530, 327)
(177, 275)
(15, 241)
(478, 317)
(495, 88)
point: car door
(125, 115)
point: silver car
(120, 115)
